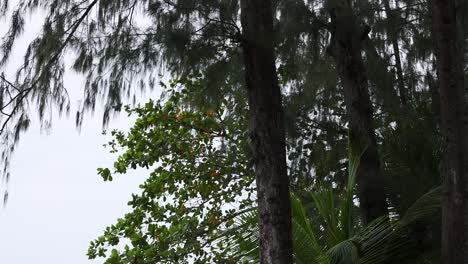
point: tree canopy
(361, 73)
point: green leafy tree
(200, 179)
(122, 46)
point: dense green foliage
(194, 142)
(334, 234)
(199, 181)
(204, 191)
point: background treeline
(337, 119)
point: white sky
(57, 202)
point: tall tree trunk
(393, 35)
(267, 132)
(345, 48)
(452, 100)
(466, 181)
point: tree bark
(452, 100)
(345, 47)
(465, 252)
(267, 132)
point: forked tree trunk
(452, 100)
(345, 47)
(267, 132)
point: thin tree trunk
(393, 35)
(452, 100)
(345, 48)
(267, 132)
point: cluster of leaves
(199, 180)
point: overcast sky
(57, 202)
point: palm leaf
(334, 238)
(425, 206)
(305, 245)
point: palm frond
(324, 201)
(425, 206)
(305, 245)
(337, 238)
(347, 217)
(345, 252)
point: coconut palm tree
(335, 234)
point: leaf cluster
(199, 180)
